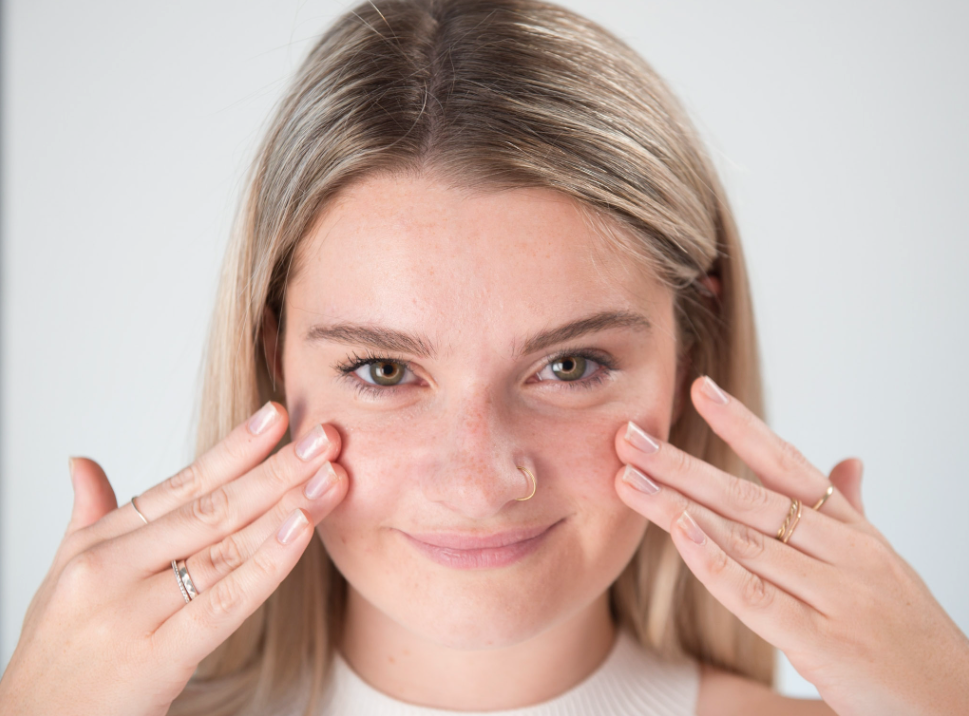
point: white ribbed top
(631, 681)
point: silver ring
(182, 571)
(178, 578)
(143, 518)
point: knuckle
(225, 599)
(746, 543)
(276, 473)
(680, 460)
(719, 563)
(81, 572)
(747, 496)
(880, 554)
(226, 556)
(789, 457)
(213, 508)
(264, 564)
(185, 484)
(755, 592)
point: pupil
(569, 368)
(385, 373)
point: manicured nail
(638, 480)
(691, 528)
(713, 392)
(640, 439)
(263, 418)
(292, 526)
(312, 444)
(322, 481)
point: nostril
(476, 491)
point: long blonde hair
(492, 94)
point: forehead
(412, 251)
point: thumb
(93, 495)
(846, 477)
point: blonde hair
(491, 94)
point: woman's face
(501, 334)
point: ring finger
(318, 496)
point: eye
(382, 372)
(568, 368)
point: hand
(851, 615)
(109, 632)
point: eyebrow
(387, 339)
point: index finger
(249, 443)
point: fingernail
(263, 418)
(312, 444)
(70, 469)
(292, 526)
(638, 480)
(640, 439)
(691, 528)
(712, 391)
(322, 481)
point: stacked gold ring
(794, 515)
(787, 529)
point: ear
(270, 345)
(712, 284)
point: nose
(475, 473)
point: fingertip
(294, 526)
(688, 527)
(334, 440)
(263, 420)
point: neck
(409, 668)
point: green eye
(569, 368)
(386, 373)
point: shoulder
(726, 694)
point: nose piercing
(534, 483)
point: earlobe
(270, 345)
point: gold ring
(143, 518)
(790, 522)
(824, 497)
(534, 483)
(794, 523)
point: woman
(487, 281)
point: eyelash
(354, 362)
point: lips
(479, 551)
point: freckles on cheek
(581, 454)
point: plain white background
(839, 127)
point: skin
(441, 454)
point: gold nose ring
(534, 483)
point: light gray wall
(840, 128)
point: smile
(468, 551)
